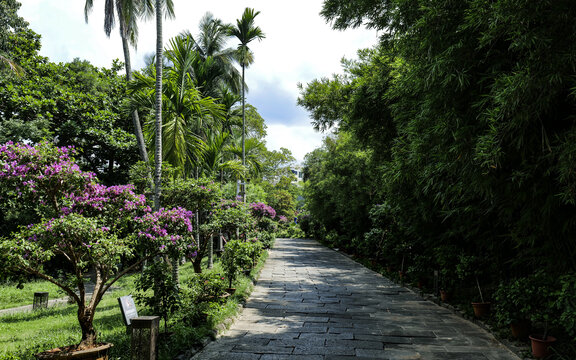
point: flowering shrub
(82, 223)
(232, 215)
(169, 231)
(260, 210)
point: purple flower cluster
(168, 229)
(98, 198)
(261, 210)
(228, 204)
(31, 169)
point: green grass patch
(26, 333)
(11, 296)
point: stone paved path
(313, 303)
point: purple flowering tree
(90, 227)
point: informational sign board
(128, 308)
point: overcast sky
(299, 47)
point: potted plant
(514, 305)
(469, 266)
(446, 284)
(80, 223)
(544, 311)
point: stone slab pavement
(313, 303)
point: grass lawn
(10, 296)
(23, 334)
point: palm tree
(215, 153)
(186, 113)
(128, 12)
(253, 149)
(214, 68)
(246, 32)
(10, 64)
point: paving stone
(357, 344)
(313, 303)
(262, 349)
(291, 357)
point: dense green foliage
(461, 125)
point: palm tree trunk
(135, 117)
(158, 150)
(243, 184)
(210, 251)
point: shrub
(566, 304)
(205, 287)
(514, 300)
(266, 224)
(164, 299)
(267, 239)
(237, 256)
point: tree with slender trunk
(246, 32)
(158, 117)
(128, 12)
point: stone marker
(144, 334)
(40, 300)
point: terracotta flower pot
(231, 291)
(481, 310)
(540, 345)
(444, 295)
(520, 329)
(99, 352)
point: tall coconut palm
(246, 32)
(128, 12)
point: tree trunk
(243, 184)
(197, 265)
(86, 319)
(210, 251)
(158, 150)
(176, 271)
(135, 117)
